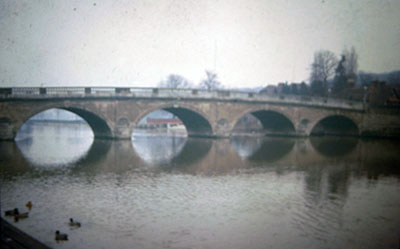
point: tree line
(210, 82)
(329, 76)
(340, 78)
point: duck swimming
(20, 216)
(73, 223)
(11, 212)
(29, 205)
(61, 236)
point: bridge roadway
(114, 112)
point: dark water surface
(176, 192)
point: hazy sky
(138, 43)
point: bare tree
(322, 69)
(174, 81)
(323, 66)
(211, 82)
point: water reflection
(325, 196)
(12, 162)
(194, 151)
(55, 144)
(98, 150)
(246, 146)
(379, 158)
(265, 149)
(207, 157)
(158, 150)
(334, 146)
(311, 193)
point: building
(164, 123)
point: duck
(61, 236)
(22, 215)
(73, 223)
(11, 212)
(29, 205)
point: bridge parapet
(174, 93)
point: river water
(177, 192)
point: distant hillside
(391, 78)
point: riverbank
(13, 238)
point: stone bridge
(115, 112)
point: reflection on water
(246, 147)
(334, 146)
(54, 144)
(193, 151)
(201, 193)
(179, 132)
(264, 149)
(158, 150)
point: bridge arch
(273, 121)
(335, 125)
(196, 123)
(97, 123)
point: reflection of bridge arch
(193, 151)
(265, 150)
(335, 125)
(98, 124)
(97, 151)
(273, 120)
(177, 151)
(334, 146)
(194, 120)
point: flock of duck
(58, 236)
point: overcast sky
(138, 43)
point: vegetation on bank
(329, 77)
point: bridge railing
(176, 93)
(61, 91)
(25, 91)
